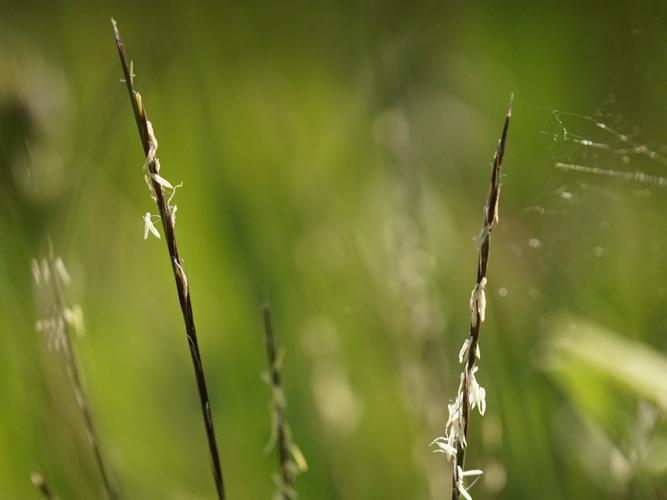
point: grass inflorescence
(59, 320)
(162, 191)
(290, 459)
(470, 393)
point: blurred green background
(338, 154)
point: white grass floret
(149, 226)
(460, 474)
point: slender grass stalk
(57, 325)
(471, 394)
(39, 481)
(167, 214)
(290, 459)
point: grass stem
(167, 214)
(478, 310)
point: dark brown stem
(176, 264)
(278, 405)
(490, 219)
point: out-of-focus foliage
(337, 153)
(619, 445)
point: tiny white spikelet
(152, 148)
(476, 393)
(478, 302)
(149, 226)
(299, 459)
(36, 274)
(46, 273)
(151, 136)
(481, 299)
(464, 350)
(444, 447)
(460, 474)
(74, 317)
(162, 181)
(62, 271)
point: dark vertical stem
(490, 219)
(177, 267)
(278, 403)
(74, 374)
